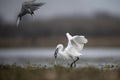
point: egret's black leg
(74, 62)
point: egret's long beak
(55, 55)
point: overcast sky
(9, 9)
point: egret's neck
(61, 49)
(62, 52)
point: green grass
(14, 72)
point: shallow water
(44, 56)
(48, 52)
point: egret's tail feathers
(18, 21)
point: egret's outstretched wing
(78, 42)
(69, 37)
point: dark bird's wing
(32, 5)
(28, 7)
(35, 6)
(24, 8)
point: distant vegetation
(103, 27)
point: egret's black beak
(55, 55)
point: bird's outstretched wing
(25, 7)
(29, 7)
(29, 1)
(36, 6)
(69, 37)
(77, 42)
(32, 5)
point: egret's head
(59, 46)
(83, 39)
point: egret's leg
(55, 62)
(74, 62)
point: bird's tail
(18, 21)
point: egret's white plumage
(73, 49)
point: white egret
(28, 7)
(72, 51)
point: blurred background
(97, 20)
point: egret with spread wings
(28, 7)
(72, 51)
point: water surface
(44, 56)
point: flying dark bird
(73, 49)
(28, 7)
